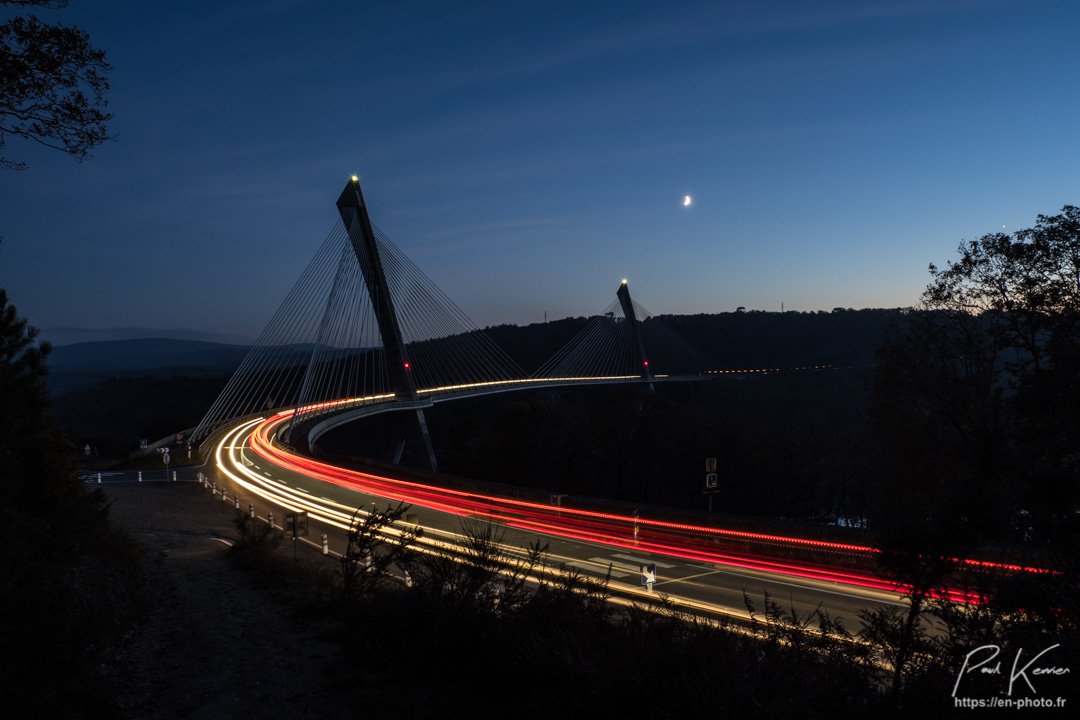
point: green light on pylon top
(355, 179)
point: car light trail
(717, 546)
(671, 539)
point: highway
(690, 569)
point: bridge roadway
(345, 410)
(595, 545)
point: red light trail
(688, 542)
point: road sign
(710, 480)
(648, 574)
(86, 450)
(296, 524)
(710, 465)
(165, 458)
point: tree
(1026, 291)
(977, 407)
(52, 85)
(979, 396)
(26, 429)
(69, 582)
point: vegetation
(490, 629)
(118, 413)
(52, 85)
(975, 405)
(70, 583)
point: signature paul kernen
(987, 654)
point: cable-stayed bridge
(364, 331)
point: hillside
(112, 394)
(86, 365)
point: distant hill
(114, 393)
(733, 341)
(73, 335)
(85, 365)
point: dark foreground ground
(216, 644)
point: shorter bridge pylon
(623, 342)
(641, 359)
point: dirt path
(216, 644)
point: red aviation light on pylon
(406, 366)
(646, 363)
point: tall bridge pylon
(362, 326)
(354, 215)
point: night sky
(528, 156)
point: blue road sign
(648, 574)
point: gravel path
(216, 644)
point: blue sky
(528, 156)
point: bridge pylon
(641, 358)
(354, 214)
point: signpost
(165, 459)
(648, 575)
(710, 479)
(296, 524)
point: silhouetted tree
(371, 554)
(976, 407)
(52, 85)
(68, 584)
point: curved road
(692, 568)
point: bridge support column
(427, 440)
(640, 357)
(354, 214)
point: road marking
(616, 563)
(813, 584)
(688, 577)
(590, 567)
(643, 561)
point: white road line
(643, 561)
(616, 563)
(591, 568)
